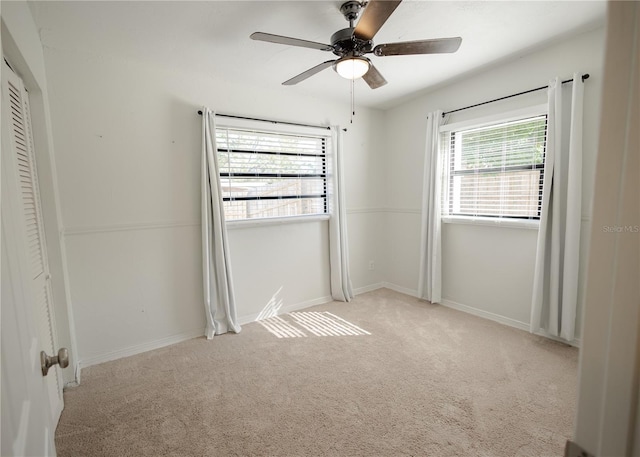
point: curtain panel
(341, 288)
(555, 288)
(430, 279)
(219, 298)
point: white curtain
(430, 280)
(219, 300)
(341, 288)
(555, 285)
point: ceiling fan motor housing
(345, 44)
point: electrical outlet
(372, 265)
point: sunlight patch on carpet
(281, 328)
(318, 323)
(324, 323)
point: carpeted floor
(414, 380)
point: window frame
(280, 129)
(487, 121)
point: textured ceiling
(213, 37)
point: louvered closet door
(22, 148)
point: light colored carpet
(425, 381)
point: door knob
(47, 361)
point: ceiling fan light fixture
(352, 67)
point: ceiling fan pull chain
(353, 99)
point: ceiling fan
(351, 44)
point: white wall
(21, 46)
(128, 138)
(487, 269)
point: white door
(31, 403)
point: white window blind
(496, 170)
(269, 174)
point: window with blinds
(496, 170)
(268, 174)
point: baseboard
(485, 314)
(369, 288)
(402, 290)
(451, 304)
(248, 318)
(575, 342)
(140, 348)
(504, 320)
(386, 285)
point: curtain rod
(585, 76)
(269, 120)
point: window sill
(246, 223)
(493, 222)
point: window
(269, 174)
(496, 170)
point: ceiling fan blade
(310, 72)
(279, 39)
(437, 46)
(373, 17)
(374, 78)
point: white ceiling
(213, 37)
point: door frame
(608, 410)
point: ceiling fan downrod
(351, 10)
